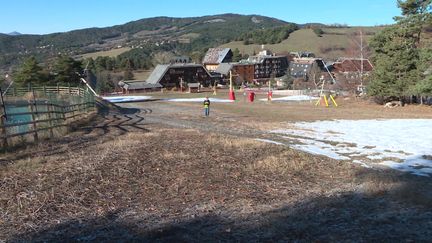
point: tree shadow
(360, 216)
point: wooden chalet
(216, 56)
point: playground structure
(323, 96)
(324, 100)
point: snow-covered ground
(402, 144)
(215, 100)
(120, 99)
(293, 98)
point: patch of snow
(269, 141)
(215, 21)
(313, 149)
(120, 99)
(293, 98)
(405, 140)
(215, 100)
(361, 163)
(256, 20)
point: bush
(319, 32)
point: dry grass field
(307, 40)
(110, 53)
(158, 171)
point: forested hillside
(196, 32)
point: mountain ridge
(200, 32)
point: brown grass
(285, 163)
(181, 184)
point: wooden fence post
(44, 90)
(58, 88)
(63, 113)
(3, 131)
(50, 117)
(33, 117)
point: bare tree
(315, 75)
(358, 49)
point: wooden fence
(67, 90)
(41, 116)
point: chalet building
(310, 73)
(216, 56)
(135, 86)
(305, 67)
(349, 65)
(259, 68)
(242, 72)
(266, 67)
(175, 75)
(350, 74)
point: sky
(49, 16)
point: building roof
(305, 60)
(158, 73)
(135, 85)
(215, 55)
(260, 59)
(161, 69)
(352, 65)
(301, 67)
(224, 68)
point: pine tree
(29, 72)
(236, 55)
(398, 55)
(67, 70)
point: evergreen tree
(29, 72)
(67, 70)
(416, 13)
(105, 82)
(398, 56)
(236, 55)
(396, 59)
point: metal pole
(361, 56)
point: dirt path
(191, 117)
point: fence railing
(47, 119)
(37, 112)
(67, 90)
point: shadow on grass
(363, 215)
(91, 129)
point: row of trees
(62, 70)
(269, 36)
(65, 70)
(401, 56)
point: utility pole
(361, 56)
